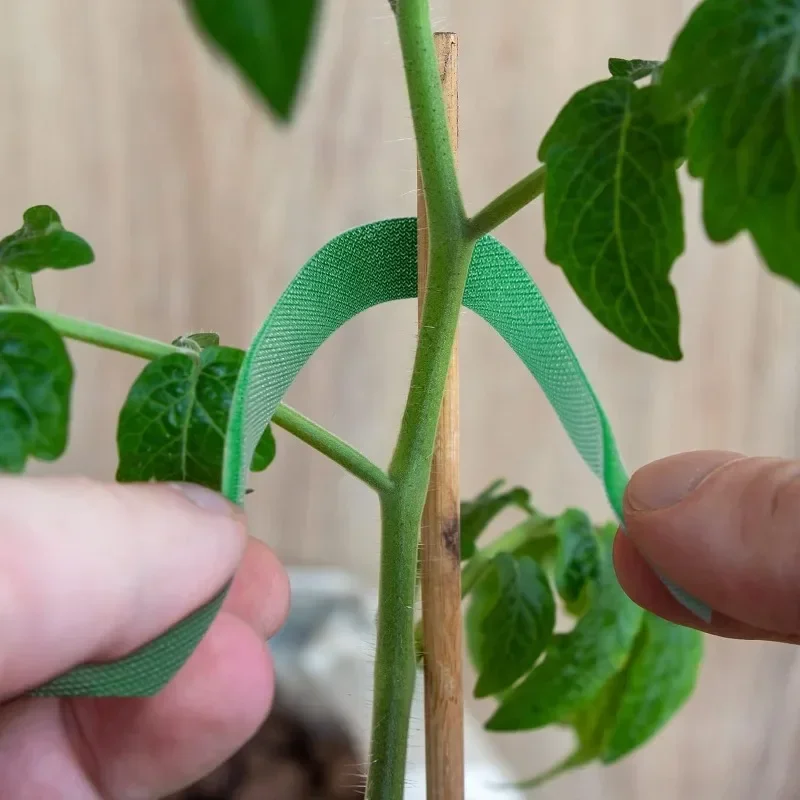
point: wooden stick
(440, 535)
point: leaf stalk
(507, 204)
(292, 421)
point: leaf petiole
(322, 440)
(336, 449)
(507, 204)
(99, 335)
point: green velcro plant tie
(361, 268)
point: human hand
(726, 529)
(90, 572)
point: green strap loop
(374, 264)
(361, 268)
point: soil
(288, 759)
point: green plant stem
(507, 204)
(450, 251)
(322, 440)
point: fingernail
(206, 499)
(664, 483)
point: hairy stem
(507, 204)
(449, 257)
(395, 662)
(322, 440)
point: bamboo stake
(440, 535)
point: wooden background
(200, 210)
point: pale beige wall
(200, 210)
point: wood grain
(440, 551)
(200, 210)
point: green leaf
(517, 626)
(660, 677)
(172, 426)
(16, 288)
(590, 726)
(477, 514)
(267, 40)
(543, 550)
(591, 723)
(613, 211)
(35, 390)
(744, 141)
(482, 599)
(577, 665)
(541, 543)
(634, 69)
(578, 559)
(42, 242)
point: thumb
(723, 527)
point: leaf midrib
(625, 125)
(194, 378)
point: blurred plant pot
(315, 744)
